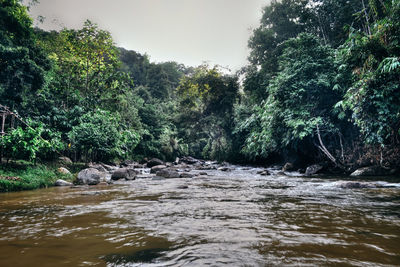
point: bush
(27, 143)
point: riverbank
(21, 175)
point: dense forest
(322, 85)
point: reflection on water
(235, 219)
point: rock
(109, 168)
(98, 167)
(186, 175)
(288, 167)
(61, 182)
(157, 168)
(124, 173)
(356, 185)
(89, 176)
(64, 160)
(371, 171)
(224, 169)
(63, 170)
(154, 162)
(168, 174)
(203, 173)
(126, 163)
(313, 169)
(189, 160)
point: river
(236, 218)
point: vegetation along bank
(322, 87)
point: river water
(233, 218)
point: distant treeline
(322, 83)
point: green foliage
(22, 63)
(99, 136)
(206, 100)
(300, 98)
(372, 91)
(26, 143)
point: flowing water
(236, 218)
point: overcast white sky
(186, 31)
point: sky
(186, 31)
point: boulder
(89, 176)
(64, 160)
(288, 167)
(154, 162)
(189, 160)
(63, 170)
(61, 182)
(372, 171)
(168, 173)
(186, 175)
(126, 163)
(109, 168)
(157, 168)
(313, 169)
(124, 173)
(98, 167)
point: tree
(300, 98)
(22, 63)
(369, 77)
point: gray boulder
(109, 168)
(313, 169)
(98, 167)
(372, 171)
(168, 173)
(124, 173)
(63, 170)
(61, 182)
(154, 162)
(189, 160)
(64, 160)
(89, 176)
(157, 168)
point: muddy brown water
(237, 218)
